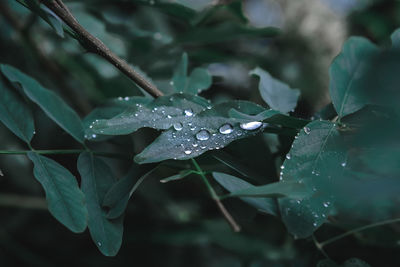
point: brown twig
(96, 46)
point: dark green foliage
(64, 198)
(272, 168)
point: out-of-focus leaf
(346, 86)
(275, 93)
(15, 114)
(97, 179)
(54, 20)
(314, 160)
(224, 32)
(198, 133)
(162, 113)
(119, 194)
(179, 78)
(46, 14)
(234, 184)
(49, 102)
(395, 37)
(198, 80)
(66, 202)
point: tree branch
(96, 46)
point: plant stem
(216, 198)
(63, 152)
(96, 46)
(359, 229)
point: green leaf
(395, 37)
(97, 179)
(208, 130)
(233, 184)
(162, 113)
(15, 114)
(199, 79)
(346, 72)
(315, 160)
(180, 74)
(119, 194)
(66, 202)
(48, 101)
(46, 14)
(275, 93)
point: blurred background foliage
(176, 224)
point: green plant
(339, 167)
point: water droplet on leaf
(226, 129)
(203, 135)
(188, 112)
(251, 125)
(178, 126)
(307, 130)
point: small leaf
(233, 184)
(55, 22)
(275, 93)
(49, 102)
(119, 194)
(199, 80)
(395, 37)
(97, 179)
(346, 72)
(180, 74)
(15, 114)
(65, 200)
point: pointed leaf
(179, 176)
(275, 93)
(233, 184)
(49, 102)
(346, 72)
(65, 200)
(201, 132)
(15, 114)
(314, 160)
(97, 179)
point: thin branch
(217, 200)
(96, 46)
(359, 229)
(65, 152)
